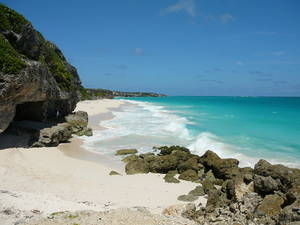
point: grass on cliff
(58, 67)
(10, 61)
(10, 19)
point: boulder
(137, 166)
(79, 122)
(187, 198)
(270, 206)
(207, 185)
(54, 135)
(182, 155)
(216, 199)
(130, 158)
(287, 176)
(236, 189)
(167, 150)
(191, 163)
(170, 179)
(163, 164)
(290, 214)
(189, 175)
(85, 132)
(210, 176)
(222, 168)
(198, 191)
(148, 157)
(126, 151)
(266, 185)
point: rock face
(36, 81)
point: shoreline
(70, 178)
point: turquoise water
(247, 128)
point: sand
(70, 178)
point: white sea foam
(143, 125)
(140, 125)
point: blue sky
(176, 47)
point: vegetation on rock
(13, 23)
(10, 59)
(11, 20)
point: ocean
(246, 128)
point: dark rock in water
(163, 164)
(189, 175)
(222, 168)
(36, 81)
(137, 166)
(266, 185)
(270, 206)
(198, 191)
(126, 151)
(187, 198)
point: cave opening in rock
(30, 111)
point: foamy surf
(142, 125)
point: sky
(176, 47)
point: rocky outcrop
(36, 81)
(76, 123)
(267, 194)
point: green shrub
(10, 19)
(10, 61)
(57, 66)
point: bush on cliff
(10, 60)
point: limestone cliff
(36, 81)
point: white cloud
(188, 6)
(138, 51)
(226, 18)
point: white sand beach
(69, 178)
